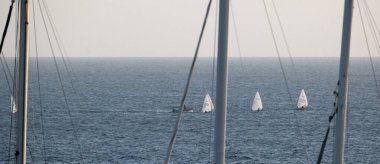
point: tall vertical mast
(340, 127)
(22, 101)
(221, 84)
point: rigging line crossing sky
(168, 28)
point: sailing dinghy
(208, 106)
(302, 100)
(185, 109)
(257, 104)
(13, 105)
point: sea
(119, 110)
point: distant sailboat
(185, 109)
(208, 106)
(302, 100)
(257, 104)
(13, 105)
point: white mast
(22, 91)
(340, 127)
(221, 84)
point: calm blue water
(120, 112)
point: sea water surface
(119, 110)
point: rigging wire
(15, 64)
(62, 50)
(57, 39)
(371, 16)
(2, 42)
(10, 91)
(176, 127)
(278, 52)
(15, 73)
(283, 71)
(236, 36)
(296, 74)
(368, 49)
(6, 26)
(39, 84)
(5, 73)
(6, 67)
(298, 84)
(372, 23)
(66, 60)
(61, 83)
(335, 110)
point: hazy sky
(170, 28)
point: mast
(340, 127)
(221, 84)
(22, 100)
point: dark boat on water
(185, 109)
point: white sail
(13, 105)
(302, 100)
(207, 104)
(257, 104)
